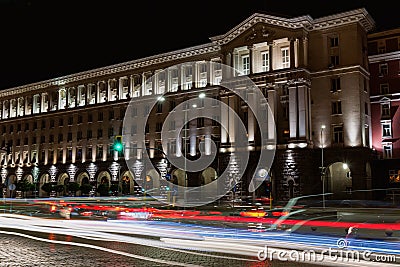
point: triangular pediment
(270, 24)
(263, 27)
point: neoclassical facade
(313, 72)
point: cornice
(384, 57)
(303, 22)
(113, 69)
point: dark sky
(44, 39)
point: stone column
(291, 52)
(270, 54)
(251, 61)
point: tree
(85, 189)
(24, 186)
(103, 189)
(73, 187)
(47, 187)
(59, 188)
(114, 188)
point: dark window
(80, 119)
(51, 138)
(51, 123)
(159, 126)
(26, 126)
(335, 84)
(43, 124)
(110, 131)
(334, 41)
(60, 137)
(159, 107)
(111, 114)
(89, 134)
(90, 117)
(42, 139)
(335, 60)
(200, 122)
(18, 127)
(61, 122)
(100, 116)
(79, 135)
(70, 120)
(99, 133)
(34, 125)
(69, 138)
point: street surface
(33, 241)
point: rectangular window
(110, 131)
(200, 122)
(246, 64)
(265, 61)
(383, 69)
(60, 155)
(99, 133)
(172, 148)
(70, 120)
(159, 126)
(134, 112)
(51, 123)
(159, 107)
(172, 125)
(334, 41)
(385, 109)
(133, 129)
(43, 124)
(387, 151)
(80, 118)
(285, 57)
(384, 88)
(386, 129)
(79, 153)
(215, 120)
(338, 134)
(99, 152)
(60, 137)
(335, 85)
(26, 126)
(61, 122)
(79, 135)
(89, 134)
(111, 115)
(69, 138)
(335, 60)
(89, 153)
(51, 138)
(172, 105)
(90, 118)
(100, 116)
(336, 107)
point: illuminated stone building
(314, 73)
(384, 59)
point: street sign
(12, 187)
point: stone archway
(207, 176)
(44, 178)
(338, 180)
(178, 177)
(127, 183)
(103, 183)
(152, 182)
(63, 179)
(11, 179)
(82, 178)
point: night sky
(47, 39)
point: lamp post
(322, 166)
(185, 136)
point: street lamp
(201, 95)
(322, 166)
